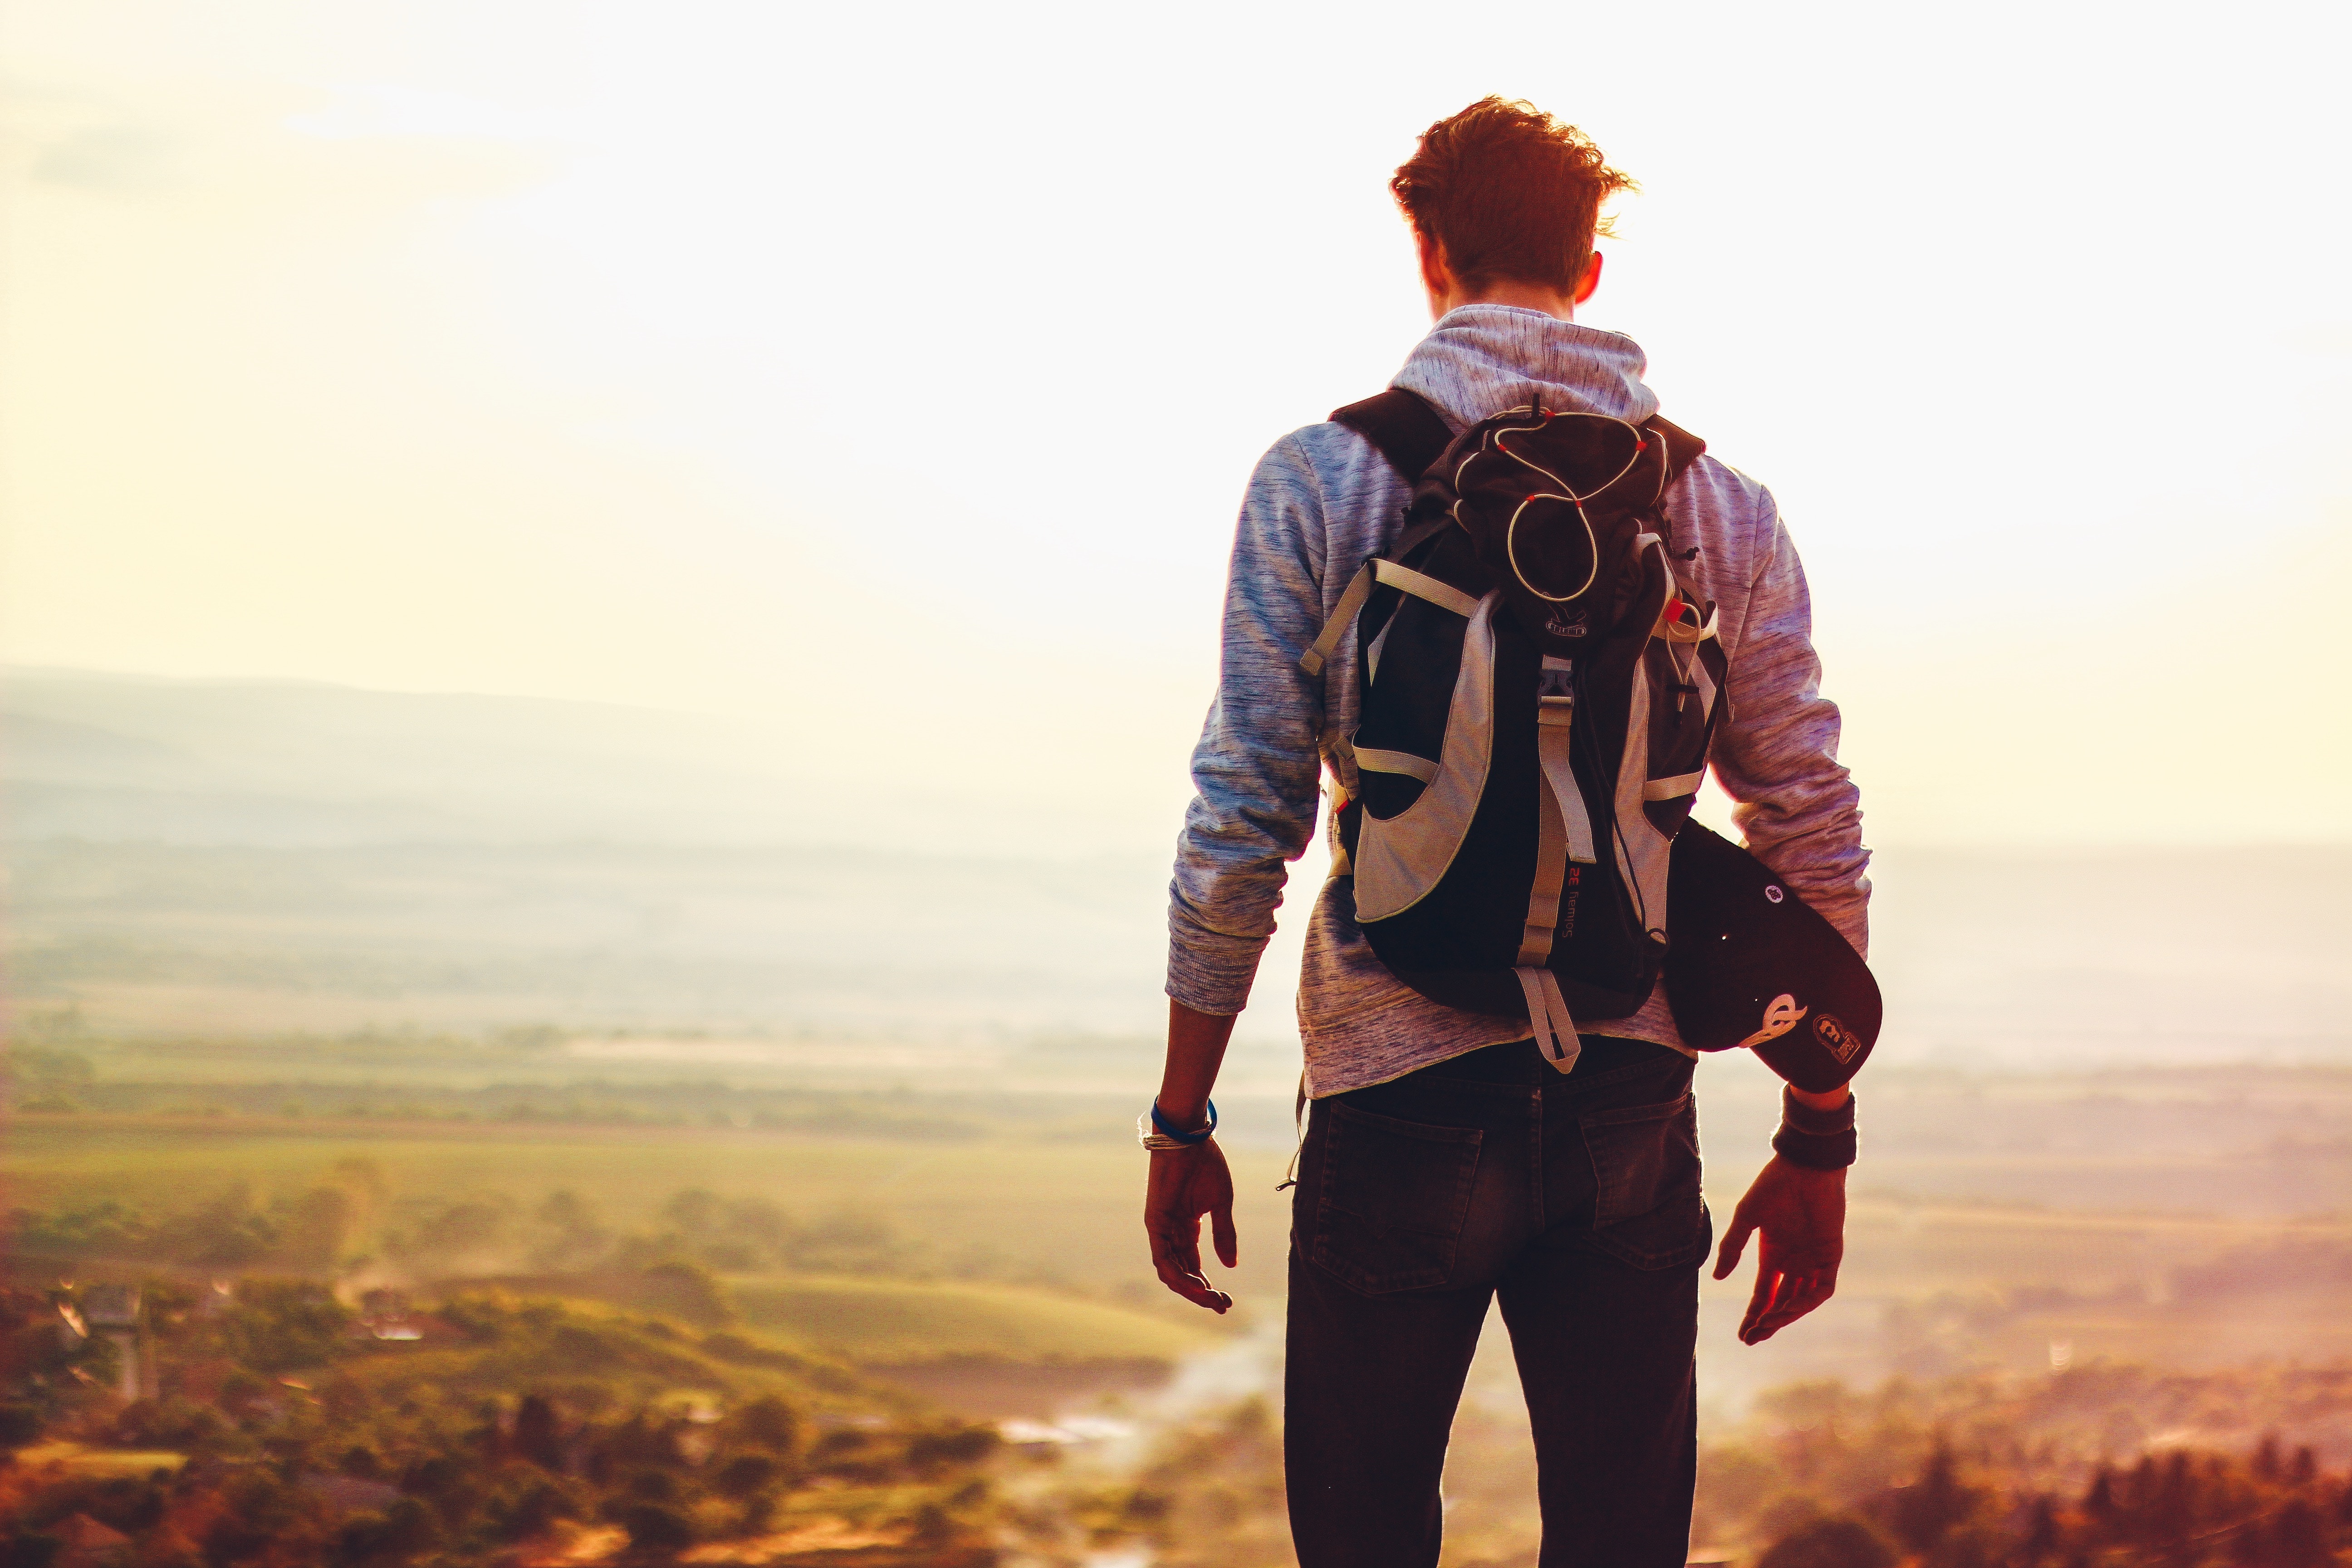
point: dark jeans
(1576, 1198)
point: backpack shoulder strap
(1411, 435)
(1680, 446)
(1677, 451)
(1408, 431)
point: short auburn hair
(1509, 193)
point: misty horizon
(561, 835)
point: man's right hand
(1184, 1185)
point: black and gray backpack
(1538, 688)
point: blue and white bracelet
(1153, 1132)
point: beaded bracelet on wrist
(1154, 1132)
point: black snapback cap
(1751, 965)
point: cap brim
(1752, 965)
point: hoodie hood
(1480, 360)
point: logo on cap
(1840, 1041)
(1780, 1017)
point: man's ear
(1590, 280)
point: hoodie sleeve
(1257, 769)
(1777, 756)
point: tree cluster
(2186, 1510)
(1989, 1473)
(286, 1435)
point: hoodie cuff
(1213, 973)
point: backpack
(1538, 689)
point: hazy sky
(888, 377)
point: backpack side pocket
(1399, 857)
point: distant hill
(259, 855)
(112, 757)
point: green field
(875, 1254)
(896, 1322)
(1064, 1212)
(2188, 1217)
(1028, 1248)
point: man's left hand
(1799, 1213)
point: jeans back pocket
(1645, 1169)
(1394, 1199)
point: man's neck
(1507, 291)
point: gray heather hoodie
(1321, 502)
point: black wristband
(1813, 1119)
(1816, 1138)
(1814, 1152)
